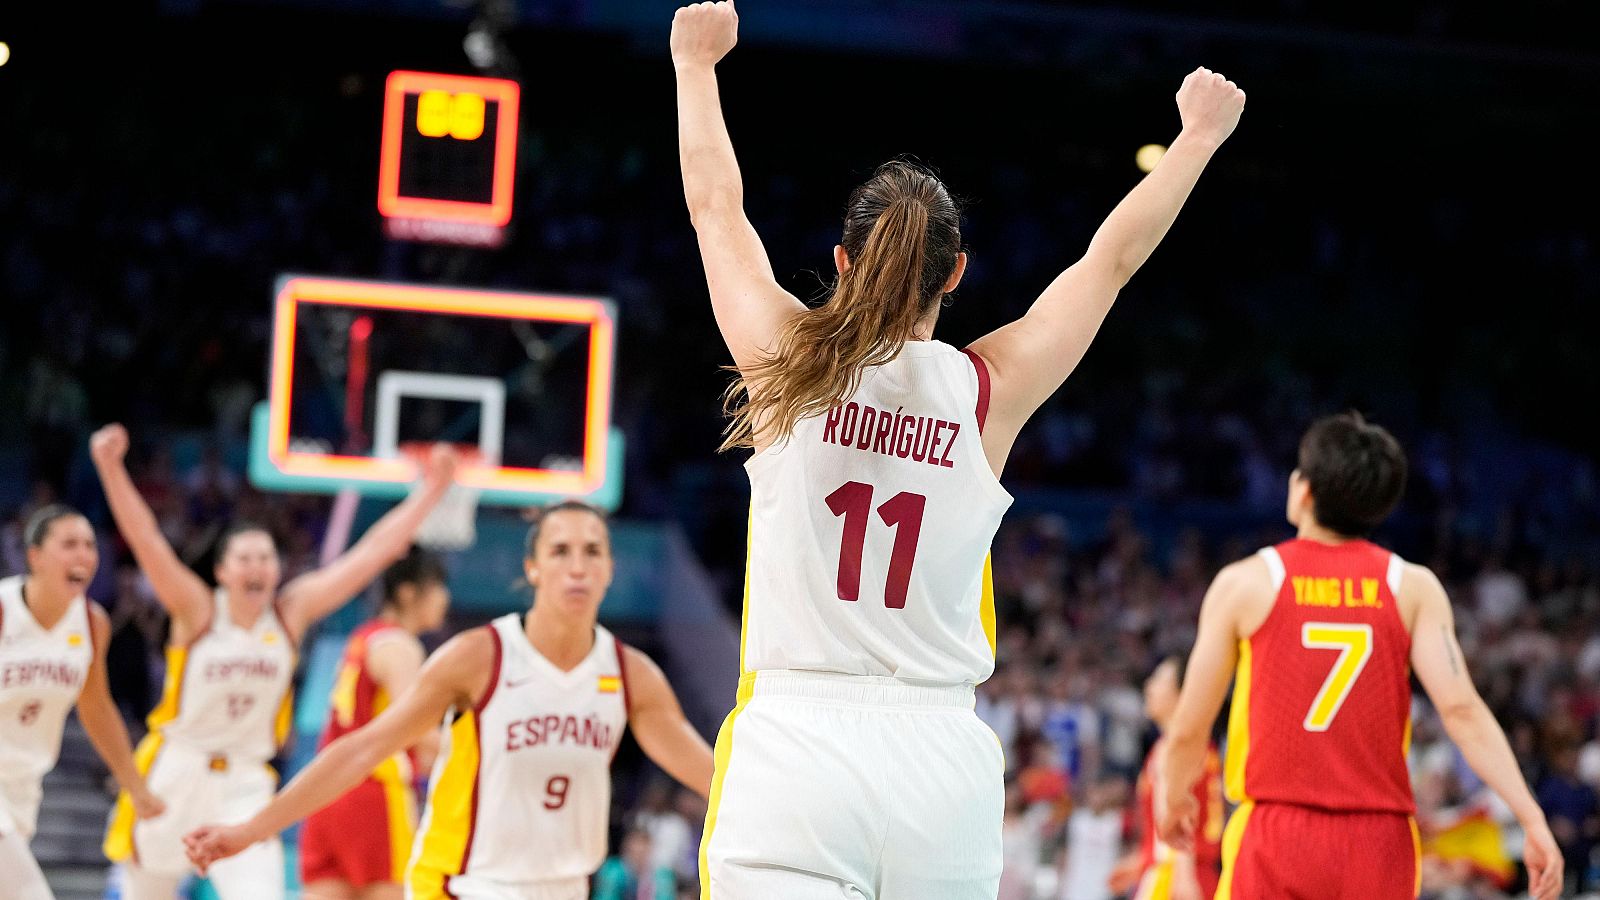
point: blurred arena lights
(5, 53)
(1147, 157)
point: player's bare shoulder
(465, 664)
(1419, 589)
(1243, 592)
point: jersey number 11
(903, 513)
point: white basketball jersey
(870, 530)
(41, 674)
(521, 791)
(227, 692)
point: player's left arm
(1205, 683)
(103, 723)
(661, 728)
(1030, 358)
(313, 596)
(1437, 660)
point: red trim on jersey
(494, 672)
(622, 672)
(477, 776)
(982, 368)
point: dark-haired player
(356, 847)
(1321, 635)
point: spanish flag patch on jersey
(610, 684)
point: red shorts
(362, 838)
(1286, 852)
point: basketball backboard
(361, 371)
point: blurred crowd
(139, 288)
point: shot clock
(449, 155)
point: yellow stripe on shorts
(118, 843)
(721, 756)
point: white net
(452, 525)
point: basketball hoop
(452, 524)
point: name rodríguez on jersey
(919, 438)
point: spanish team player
(852, 764)
(533, 707)
(1321, 635)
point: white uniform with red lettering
(41, 674)
(853, 764)
(520, 799)
(224, 711)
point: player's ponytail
(902, 236)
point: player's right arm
(454, 677)
(1030, 358)
(749, 304)
(1437, 660)
(395, 662)
(177, 587)
(1234, 594)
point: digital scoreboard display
(448, 163)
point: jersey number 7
(903, 513)
(1354, 643)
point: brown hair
(531, 545)
(1356, 471)
(419, 568)
(902, 233)
(37, 529)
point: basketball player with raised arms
(53, 657)
(533, 705)
(224, 711)
(356, 847)
(1320, 636)
(853, 764)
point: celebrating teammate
(53, 656)
(224, 711)
(536, 703)
(1321, 635)
(853, 764)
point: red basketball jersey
(357, 699)
(1322, 698)
(1208, 833)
